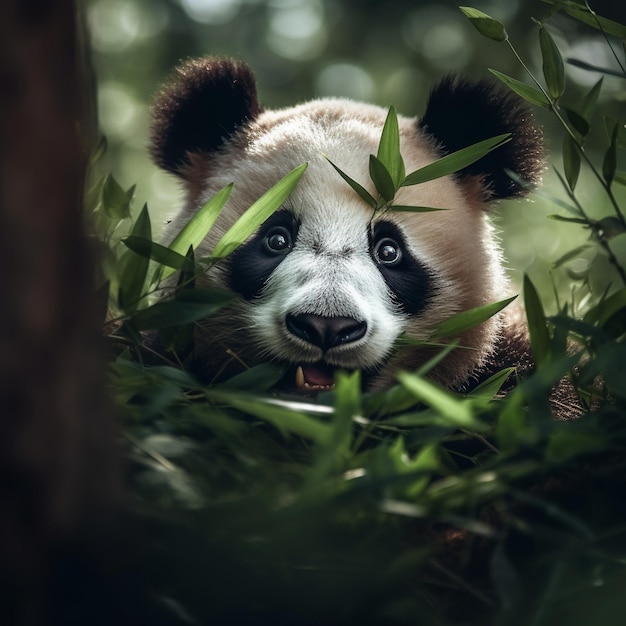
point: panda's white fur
(331, 270)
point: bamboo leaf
(156, 252)
(528, 93)
(415, 209)
(196, 229)
(581, 13)
(485, 25)
(571, 161)
(389, 148)
(610, 158)
(134, 267)
(116, 201)
(579, 123)
(382, 179)
(553, 70)
(363, 193)
(258, 213)
(455, 161)
(537, 324)
(469, 319)
(189, 305)
(588, 103)
(453, 408)
(572, 254)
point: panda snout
(325, 332)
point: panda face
(325, 283)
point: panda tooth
(299, 378)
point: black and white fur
(323, 283)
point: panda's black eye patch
(250, 265)
(387, 251)
(278, 241)
(409, 280)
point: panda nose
(325, 332)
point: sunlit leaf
(455, 161)
(363, 193)
(528, 93)
(258, 213)
(389, 148)
(485, 25)
(197, 227)
(287, 417)
(553, 70)
(469, 319)
(453, 408)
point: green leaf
(579, 123)
(489, 388)
(553, 70)
(588, 103)
(606, 308)
(537, 324)
(116, 201)
(571, 161)
(620, 177)
(485, 25)
(570, 220)
(453, 408)
(189, 305)
(460, 322)
(414, 209)
(455, 161)
(581, 13)
(389, 148)
(363, 193)
(382, 179)
(258, 213)
(288, 417)
(528, 93)
(196, 228)
(158, 253)
(133, 267)
(610, 158)
(571, 254)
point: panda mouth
(317, 376)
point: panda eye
(388, 252)
(278, 240)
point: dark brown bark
(57, 468)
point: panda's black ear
(460, 113)
(206, 102)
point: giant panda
(323, 283)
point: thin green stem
(554, 108)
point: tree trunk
(57, 463)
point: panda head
(324, 283)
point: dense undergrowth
(412, 505)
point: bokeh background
(385, 52)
